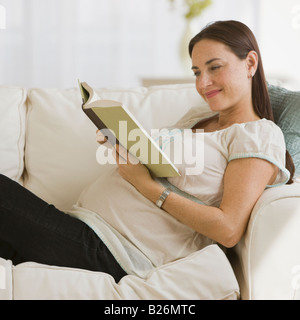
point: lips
(212, 93)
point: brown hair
(240, 39)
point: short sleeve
(261, 139)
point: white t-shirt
(139, 234)
(257, 139)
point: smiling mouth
(212, 94)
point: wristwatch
(162, 198)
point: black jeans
(33, 230)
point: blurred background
(128, 43)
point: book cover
(125, 129)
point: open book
(125, 130)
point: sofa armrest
(267, 259)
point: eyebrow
(206, 63)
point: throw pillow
(286, 109)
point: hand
(130, 168)
(100, 138)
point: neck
(242, 112)
(229, 117)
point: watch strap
(162, 198)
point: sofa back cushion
(61, 141)
(12, 136)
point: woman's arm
(244, 182)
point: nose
(203, 81)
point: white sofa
(48, 145)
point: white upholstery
(269, 254)
(12, 137)
(206, 274)
(59, 135)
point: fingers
(121, 159)
(123, 156)
(100, 137)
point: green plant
(195, 7)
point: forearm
(209, 221)
(244, 182)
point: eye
(214, 68)
(197, 73)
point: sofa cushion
(12, 137)
(205, 275)
(61, 141)
(286, 109)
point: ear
(252, 63)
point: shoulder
(264, 125)
(261, 139)
(262, 130)
(256, 136)
(258, 125)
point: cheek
(198, 88)
(240, 73)
(236, 81)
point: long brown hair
(241, 40)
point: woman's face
(222, 79)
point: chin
(216, 107)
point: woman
(127, 222)
(229, 76)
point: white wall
(279, 37)
(51, 43)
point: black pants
(33, 230)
